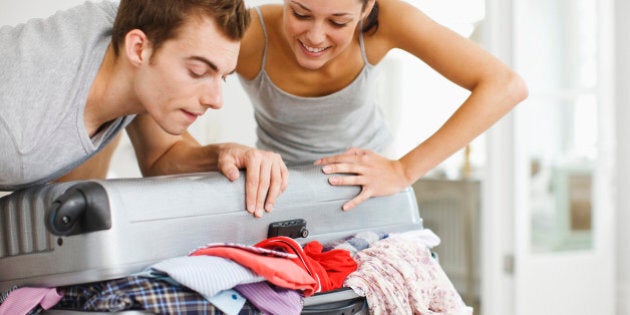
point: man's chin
(175, 131)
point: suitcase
(86, 231)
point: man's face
(183, 78)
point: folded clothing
(280, 271)
(329, 268)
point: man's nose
(212, 95)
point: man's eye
(196, 74)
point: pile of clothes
(396, 273)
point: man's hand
(160, 153)
(266, 174)
(377, 175)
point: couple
(70, 83)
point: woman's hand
(377, 175)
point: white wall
(622, 25)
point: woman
(308, 67)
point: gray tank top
(304, 129)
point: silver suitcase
(86, 231)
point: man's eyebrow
(307, 9)
(210, 64)
(206, 61)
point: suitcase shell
(85, 231)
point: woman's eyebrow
(307, 9)
(300, 5)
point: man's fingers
(231, 172)
(251, 185)
(275, 188)
(227, 166)
(263, 186)
(284, 171)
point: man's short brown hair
(161, 19)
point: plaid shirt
(139, 293)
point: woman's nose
(316, 34)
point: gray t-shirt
(47, 69)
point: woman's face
(319, 30)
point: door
(563, 251)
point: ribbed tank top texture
(304, 129)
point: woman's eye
(338, 24)
(299, 16)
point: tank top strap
(264, 29)
(363, 54)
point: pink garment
(277, 270)
(397, 275)
(23, 300)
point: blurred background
(533, 214)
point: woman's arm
(495, 90)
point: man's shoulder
(91, 12)
(109, 8)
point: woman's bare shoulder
(253, 43)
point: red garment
(330, 268)
(277, 270)
(289, 245)
(336, 263)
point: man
(73, 81)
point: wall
(622, 39)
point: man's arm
(160, 153)
(96, 167)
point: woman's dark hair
(371, 21)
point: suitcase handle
(82, 208)
(343, 307)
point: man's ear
(137, 47)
